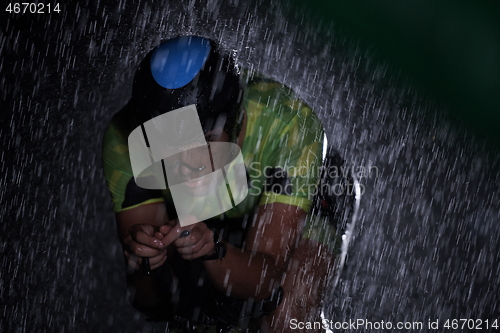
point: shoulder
(268, 99)
(119, 128)
(115, 152)
(278, 120)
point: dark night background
(413, 89)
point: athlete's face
(191, 164)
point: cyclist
(262, 258)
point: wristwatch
(220, 248)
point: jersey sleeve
(290, 139)
(298, 160)
(125, 193)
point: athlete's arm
(136, 229)
(255, 270)
(303, 285)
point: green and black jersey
(282, 152)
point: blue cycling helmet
(190, 70)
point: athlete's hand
(144, 240)
(198, 243)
